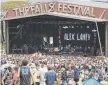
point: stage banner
(77, 35)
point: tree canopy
(11, 4)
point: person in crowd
(105, 81)
(64, 76)
(3, 61)
(1, 74)
(76, 74)
(50, 76)
(100, 76)
(89, 67)
(42, 72)
(7, 77)
(92, 74)
(70, 73)
(34, 75)
(82, 75)
(24, 74)
(15, 79)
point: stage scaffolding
(5, 34)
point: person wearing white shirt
(104, 82)
(42, 72)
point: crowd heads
(42, 69)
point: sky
(47, 0)
(34, 0)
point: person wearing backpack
(7, 77)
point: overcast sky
(35, 0)
(47, 0)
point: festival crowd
(42, 69)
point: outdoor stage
(46, 33)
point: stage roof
(89, 11)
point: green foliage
(11, 4)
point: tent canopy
(91, 82)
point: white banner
(51, 40)
(77, 36)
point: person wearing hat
(92, 74)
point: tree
(11, 4)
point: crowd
(42, 69)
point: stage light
(65, 27)
(88, 26)
(18, 26)
(72, 26)
(94, 30)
